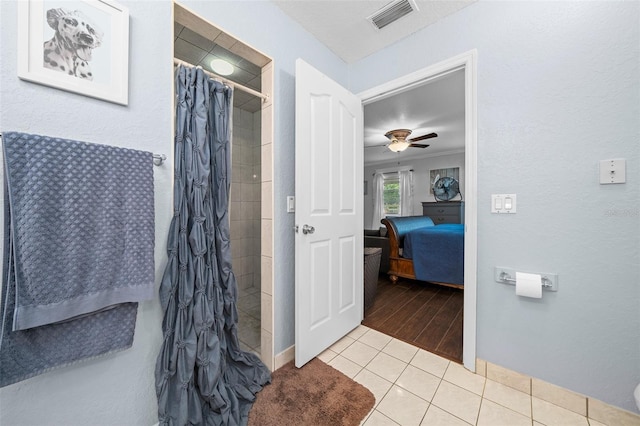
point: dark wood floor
(426, 315)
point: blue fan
(445, 189)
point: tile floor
(249, 319)
(416, 387)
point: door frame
(468, 62)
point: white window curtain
(406, 192)
(378, 199)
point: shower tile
(266, 281)
(196, 39)
(256, 154)
(236, 174)
(234, 194)
(246, 209)
(267, 82)
(266, 320)
(246, 135)
(187, 51)
(246, 191)
(253, 105)
(248, 160)
(257, 246)
(257, 192)
(257, 208)
(254, 312)
(236, 249)
(236, 263)
(242, 283)
(267, 235)
(267, 202)
(257, 116)
(266, 345)
(267, 165)
(247, 267)
(234, 209)
(267, 125)
(235, 229)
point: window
(391, 195)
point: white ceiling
(437, 106)
(342, 25)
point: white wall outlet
(613, 171)
(503, 203)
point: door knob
(308, 229)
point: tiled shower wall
(245, 213)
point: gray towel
(79, 242)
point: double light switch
(503, 203)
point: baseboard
(565, 398)
(285, 356)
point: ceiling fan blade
(376, 146)
(417, 145)
(423, 137)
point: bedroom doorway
(464, 154)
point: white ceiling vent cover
(392, 12)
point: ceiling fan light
(398, 146)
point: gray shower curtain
(202, 376)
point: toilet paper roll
(529, 285)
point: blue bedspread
(437, 253)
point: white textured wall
(421, 184)
(558, 90)
(117, 389)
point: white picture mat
(32, 33)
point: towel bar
(158, 159)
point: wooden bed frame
(399, 267)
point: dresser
(444, 212)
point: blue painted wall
(558, 91)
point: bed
(420, 250)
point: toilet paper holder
(507, 276)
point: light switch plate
(613, 171)
(503, 203)
(291, 204)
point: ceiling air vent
(392, 12)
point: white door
(329, 215)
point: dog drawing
(72, 45)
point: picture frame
(453, 172)
(80, 46)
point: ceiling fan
(399, 141)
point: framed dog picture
(81, 46)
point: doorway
(197, 42)
(467, 64)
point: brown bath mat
(314, 395)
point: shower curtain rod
(158, 159)
(231, 83)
